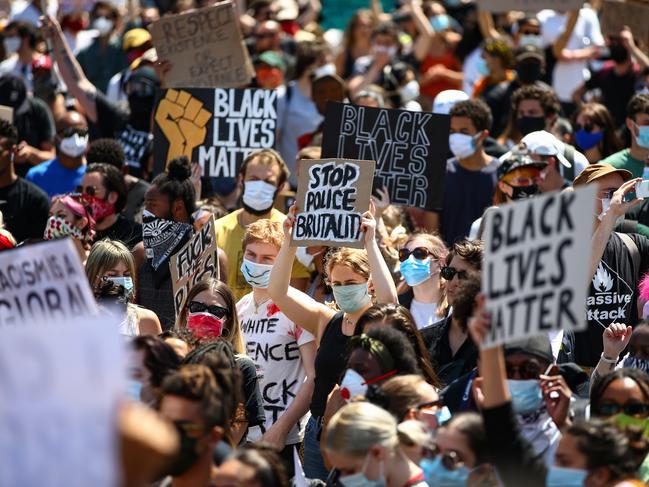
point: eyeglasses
(89, 190)
(528, 370)
(213, 309)
(448, 273)
(419, 253)
(630, 409)
(450, 459)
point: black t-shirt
(126, 231)
(616, 89)
(113, 122)
(35, 125)
(449, 367)
(254, 404)
(135, 199)
(25, 208)
(498, 98)
(612, 296)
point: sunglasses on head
(213, 309)
(528, 370)
(450, 459)
(89, 190)
(448, 273)
(630, 409)
(419, 253)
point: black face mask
(529, 72)
(619, 53)
(187, 455)
(527, 125)
(524, 192)
(141, 108)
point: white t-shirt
(273, 342)
(470, 71)
(423, 313)
(12, 65)
(569, 75)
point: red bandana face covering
(100, 208)
(204, 325)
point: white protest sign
(536, 264)
(43, 281)
(60, 382)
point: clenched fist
(182, 119)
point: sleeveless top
(128, 327)
(330, 361)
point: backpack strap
(633, 250)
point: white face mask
(531, 40)
(409, 91)
(303, 257)
(74, 146)
(380, 49)
(462, 145)
(103, 25)
(326, 70)
(11, 44)
(259, 195)
(352, 385)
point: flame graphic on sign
(602, 282)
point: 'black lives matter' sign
(218, 128)
(332, 194)
(535, 270)
(409, 148)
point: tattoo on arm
(71, 65)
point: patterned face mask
(59, 227)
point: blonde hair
(264, 231)
(354, 259)
(359, 426)
(106, 255)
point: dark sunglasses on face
(419, 253)
(450, 459)
(448, 273)
(213, 309)
(630, 409)
(89, 190)
(528, 370)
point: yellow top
(229, 236)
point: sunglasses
(448, 273)
(213, 309)
(89, 190)
(528, 370)
(419, 253)
(630, 409)
(450, 459)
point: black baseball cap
(517, 159)
(538, 346)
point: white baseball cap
(445, 100)
(545, 144)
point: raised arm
(300, 308)
(73, 76)
(487, 26)
(425, 29)
(386, 291)
(626, 36)
(561, 42)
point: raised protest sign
(618, 14)
(195, 261)
(205, 48)
(528, 5)
(410, 149)
(332, 194)
(536, 265)
(43, 282)
(60, 382)
(217, 128)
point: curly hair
(464, 302)
(547, 99)
(108, 151)
(8, 131)
(159, 358)
(469, 250)
(399, 347)
(476, 110)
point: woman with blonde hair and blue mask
(352, 274)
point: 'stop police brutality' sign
(43, 282)
(536, 263)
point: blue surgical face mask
(134, 390)
(526, 395)
(257, 275)
(352, 297)
(360, 480)
(438, 475)
(565, 477)
(415, 271)
(482, 67)
(587, 140)
(440, 22)
(125, 281)
(643, 135)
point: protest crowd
(262, 243)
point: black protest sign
(332, 194)
(43, 282)
(409, 148)
(218, 128)
(198, 259)
(536, 265)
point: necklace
(259, 305)
(347, 322)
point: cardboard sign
(60, 380)
(205, 48)
(617, 14)
(6, 113)
(195, 261)
(43, 282)
(216, 128)
(528, 5)
(332, 194)
(536, 264)
(409, 148)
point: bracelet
(607, 360)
